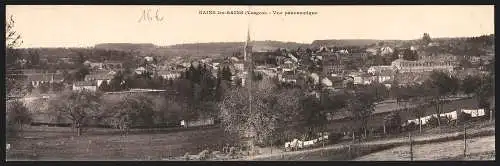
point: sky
(84, 26)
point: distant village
(332, 68)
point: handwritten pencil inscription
(149, 15)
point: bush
(17, 116)
(204, 154)
(433, 121)
(411, 126)
(464, 117)
(393, 123)
(186, 156)
(335, 137)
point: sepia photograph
(249, 83)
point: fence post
(350, 153)
(271, 144)
(411, 148)
(491, 114)
(384, 128)
(465, 141)
(353, 137)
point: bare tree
(14, 81)
(17, 116)
(361, 106)
(78, 106)
(419, 101)
(12, 38)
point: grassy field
(341, 151)
(376, 120)
(435, 151)
(54, 143)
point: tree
(361, 106)
(410, 55)
(484, 91)
(29, 87)
(395, 54)
(17, 116)
(57, 86)
(379, 90)
(226, 73)
(105, 86)
(34, 59)
(418, 100)
(311, 116)
(271, 111)
(118, 82)
(426, 39)
(81, 73)
(68, 78)
(15, 78)
(393, 122)
(132, 110)
(12, 38)
(439, 86)
(168, 111)
(44, 87)
(79, 106)
(470, 84)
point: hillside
(344, 42)
(125, 46)
(228, 48)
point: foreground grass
(61, 144)
(435, 151)
(342, 152)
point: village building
(169, 75)
(36, 79)
(288, 77)
(84, 85)
(148, 58)
(386, 51)
(99, 77)
(361, 78)
(93, 65)
(140, 70)
(404, 66)
(112, 65)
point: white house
(327, 82)
(315, 78)
(386, 50)
(197, 123)
(84, 85)
(169, 75)
(293, 58)
(379, 69)
(140, 70)
(148, 58)
(404, 66)
(100, 77)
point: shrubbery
(393, 123)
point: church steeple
(248, 46)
